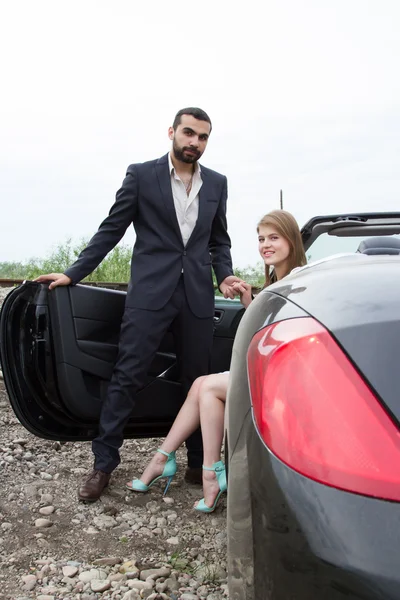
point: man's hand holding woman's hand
(56, 279)
(226, 286)
(234, 286)
(244, 290)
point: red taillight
(315, 412)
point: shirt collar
(197, 168)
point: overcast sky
(304, 96)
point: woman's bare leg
(212, 397)
(186, 422)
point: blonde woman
(281, 248)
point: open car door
(57, 354)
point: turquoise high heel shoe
(169, 472)
(219, 470)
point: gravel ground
(124, 547)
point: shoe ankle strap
(218, 466)
(168, 454)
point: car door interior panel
(64, 349)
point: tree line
(114, 268)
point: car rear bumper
(291, 538)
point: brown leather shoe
(92, 485)
(194, 475)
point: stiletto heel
(167, 486)
(169, 471)
(219, 470)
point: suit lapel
(164, 180)
(204, 193)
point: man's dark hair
(197, 113)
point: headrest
(380, 245)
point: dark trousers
(141, 334)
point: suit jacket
(145, 199)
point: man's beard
(186, 158)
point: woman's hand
(244, 290)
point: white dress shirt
(186, 206)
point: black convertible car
(313, 441)
(313, 415)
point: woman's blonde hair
(285, 225)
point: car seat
(380, 245)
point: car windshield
(327, 245)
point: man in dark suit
(178, 210)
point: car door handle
(218, 314)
